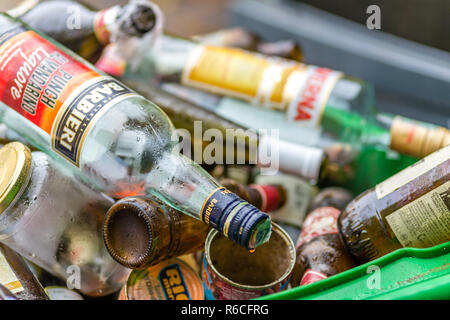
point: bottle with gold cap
(16, 276)
(140, 232)
(55, 221)
(410, 209)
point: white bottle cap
(289, 157)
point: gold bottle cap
(15, 165)
(415, 139)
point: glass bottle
(320, 251)
(86, 31)
(55, 221)
(267, 198)
(248, 147)
(409, 209)
(140, 232)
(122, 143)
(17, 277)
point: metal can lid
(15, 166)
(169, 280)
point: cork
(416, 139)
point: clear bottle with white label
(410, 209)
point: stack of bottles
(179, 169)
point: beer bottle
(320, 251)
(141, 232)
(17, 278)
(410, 209)
(55, 221)
(266, 198)
(335, 197)
(120, 142)
(86, 31)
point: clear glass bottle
(86, 31)
(55, 221)
(121, 142)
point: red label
(319, 222)
(311, 276)
(270, 197)
(36, 77)
(309, 96)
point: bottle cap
(293, 158)
(130, 229)
(15, 167)
(236, 219)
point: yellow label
(241, 74)
(225, 71)
(8, 277)
(425, 222)
(412, 172)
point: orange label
(53, 90)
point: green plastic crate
(404, 274)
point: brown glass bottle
(410, 209)
(17, 277)
(140, 232)
(335, 197)
(264, 197)
(320, 251)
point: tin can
(230, 272)
(169, 280)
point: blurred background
(408, 59)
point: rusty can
(230, 272)
(169, 280)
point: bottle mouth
(127, 234)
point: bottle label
(299, 195)
(412, 172)
(312, 276)
(267, 81)
(424, 222)
(62, 293)
(169, 280)
(417, 139)
(8, 277)
(173, 284)
(56, 92)
(309, 93)
(220, 208)
(319, 222)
